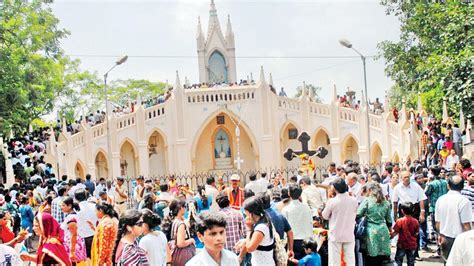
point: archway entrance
(350, 149)
(321, 138)
(375, 154)
(289, 140)
(216, 146)
(128, 160)
(396, 158)
(101, 168)
(79, 170)
(157, 155)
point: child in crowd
(407, 229)
(211, 231)
(312, 257)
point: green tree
(313, 91)
(434, 55)
(31, 62)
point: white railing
(348, 114)
(78, 139)
(289, 103)
(226, 94)
(319, 109)
(126, 121)
(99, 130)
(375, 120)
(155, 111)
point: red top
(407, 229)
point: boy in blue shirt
(312, 258)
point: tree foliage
(31, 62)
(37, 78)
(434, 55)
(313, 91)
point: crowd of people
(353, 217)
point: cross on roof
(304, 138)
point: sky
(102, 31)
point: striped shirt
(132, 254)
(469, 194)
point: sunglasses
(139, 223)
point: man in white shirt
(312, 196)
(120, 196)
(452, 160)
(409, 192)
(461, 252)
(452, 215)
(355, 188)
(85, 217)
(139, 190)
(254, 185)
(300, 218)
(263, 182)
(211, 191)
(211, 231)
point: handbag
(179, 256)
(361, 228)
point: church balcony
(155, 111)
(289, 103)
(99, 130)
(348, 114)
(220, 95)
(319, 109)
(125, 121)
(375, 121)
(78, 139)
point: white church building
(224, 128)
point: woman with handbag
(376, 209)
(181, 244)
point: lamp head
(122, 60)
(345, 43)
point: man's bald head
(456, 183)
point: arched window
(217, 68)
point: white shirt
(452, 210)
(314, 197)
(412, 193)
(450, 160)
(356, 191)
(212, 192)
(300, 218)
(263, 184)
(204, 259)
(461, 252)
(260, 257)
(254, 186)
(154, 244)
(87, 213)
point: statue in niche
(221, 145)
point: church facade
(246, 127)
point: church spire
(213, 21)
(200, 36)
(229, 27)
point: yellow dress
(103, 242)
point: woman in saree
(105, 235)
(51, 250)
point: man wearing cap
(120, 196)
(235, 193)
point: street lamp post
(109, 148)
(348, 44)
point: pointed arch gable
(134, 146)
(82, 168)
(243, 125)
(347, 137)
(285, 125)
(100, 150)
(320, 128)
(160, 132)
